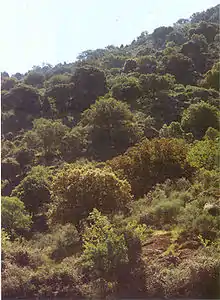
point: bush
(197, 277)
(15, 218)
(197, 118)
(204, 154)
(197, 221)
(77, 190)
(113, 254)
(151, 162)
(34, 189)
(111, 127)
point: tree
(63, 95)
(197, 118)
(34, 189)
(58, 79)
(204, 154)
(111, 127)
(151, 162)
(146, 64)
(180, 66)
(76, 190)
(126, 89)
(74, 143)
(105, 250)
(14, 216)
(212, 77)
(212, 134)
(130, 65)
(10, 168)
(35, 79)
(90, 84)
(7, 83)
(154, 83)
(50, 133)
(23, 98)
(174, 130)
(159, 35)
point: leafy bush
(151, 162)
(199, 117)
(204, 154)
(197, 277)
(14, 216)
(34, 189)
(76, 191)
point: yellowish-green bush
(77, 190)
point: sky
(53, 31)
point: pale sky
(54, 31)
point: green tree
(14, 216)
(197, 118)
(112, 127)
(174, 130)
(76, 190)
(90, 84)
(23, 98)
(204, 154)
(50, 133)
(154, 83)
(180, 66)
(35, 79)
(212, 78)
(212, 134)
(130, 65)
(34, 189)
(151, 162)
(146, 64)
(111, 253)
(10, 168)
(58, 79)
(126, 89)
(7, 83)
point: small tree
(77, 190)
(50, 133)
(34, 189)
(204, 154)
(197, 118)
(14, 216)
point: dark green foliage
(126, 89)
(212, 78)
(199, 117)
(90, 83)
(23, 98)
(111, 126)
(34, 78)
(150, 162)
(8, 83)
(180, 66)
(34, 189)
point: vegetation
(110, 170)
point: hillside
(110, 170)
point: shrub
(197, 118)
(76, 191)
(204, 154)
(34, 189)
(15, 218)
(151, 162)
(197, 277)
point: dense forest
(110, 170)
